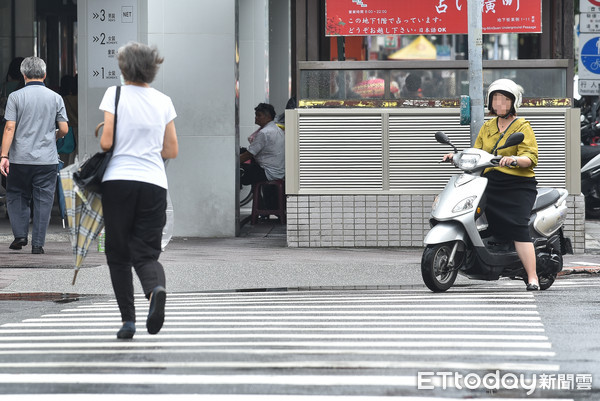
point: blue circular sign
(590, 55)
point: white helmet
(509, 89)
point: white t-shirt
(141, 121)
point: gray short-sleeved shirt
(268, 149)
(35, 109)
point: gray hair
(139, 62)
(33, 68)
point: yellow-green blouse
(489, 135)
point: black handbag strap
(502, 136)
(115, 126)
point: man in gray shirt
(28, 156)
(267, 148)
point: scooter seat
(545, 197)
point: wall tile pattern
(382, 220)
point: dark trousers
(27, 182)
(252, 173)
(134, 217)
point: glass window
(423, 84)
(347, 84)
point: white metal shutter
(340, 152)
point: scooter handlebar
(496, 161)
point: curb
(579, 270)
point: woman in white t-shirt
(134, 186)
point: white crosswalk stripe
(558, 284)
(238, 397)
(371, 342)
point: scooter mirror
(513, 140)
(442, 137)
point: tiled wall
(575, 224)
(381, 220)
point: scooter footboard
(445, 231)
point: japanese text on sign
(112, 23)
(408, 17)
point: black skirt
(509, 203)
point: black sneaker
(156, 312)
(37, 250)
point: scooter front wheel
(437, 275)
(546, 281)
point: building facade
(221, 60)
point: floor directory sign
(111, 24)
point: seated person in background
(412, 87)
(267, 148)
(344, 83)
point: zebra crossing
(322, 344)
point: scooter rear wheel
(437, 275)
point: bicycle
(246, 194)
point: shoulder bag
(66, 144)
(89, 176)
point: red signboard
(423, 17)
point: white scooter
(459, 242)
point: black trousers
(134, 216)
(252, 173)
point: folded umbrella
(84, 215)
(61, 195)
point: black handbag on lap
(89, 176)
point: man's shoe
(18, 243)
(127, 331)
(156, 313)
(37, 250)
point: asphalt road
(318, 322)
(320, 343)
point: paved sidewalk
(258, 259)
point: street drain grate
(40, 296)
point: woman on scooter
(511, 189)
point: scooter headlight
(468, 161)
(465, 204)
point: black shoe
(18, 243)
(532, 287)
(127, 331)
(156, 313)
(37, 250)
